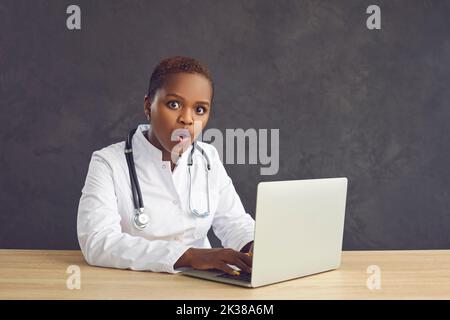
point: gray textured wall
(369, 105)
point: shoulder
(111, 155)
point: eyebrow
(178, 96)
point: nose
(186, 116)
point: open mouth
(181, 135)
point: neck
(166, 156)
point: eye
(200, 110)
(173, 104)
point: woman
(184, 186)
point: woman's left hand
(250, 251)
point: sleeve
(100, 235)
(232, 225)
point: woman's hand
(248, 248)
(250, 251)
(216, 258)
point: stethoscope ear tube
(208, 163)
(196, 146)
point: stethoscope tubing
(140, 219)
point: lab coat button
(163, 166)
(174, 201)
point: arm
(100, 235)
(232, 225)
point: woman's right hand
(216, 258)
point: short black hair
(176, 64)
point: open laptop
(298, 232)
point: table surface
(44, 274)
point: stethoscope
(141, 219)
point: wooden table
(42, 274)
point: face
(184, 100)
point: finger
(246, 258)
(242, 265)
(226, 268)
(236, 261)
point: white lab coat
(106, 233)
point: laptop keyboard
(244, 276)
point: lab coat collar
(149, 148)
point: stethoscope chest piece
(140, 219)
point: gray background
(368, 105)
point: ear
(147, 107)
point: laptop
(298, 232)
